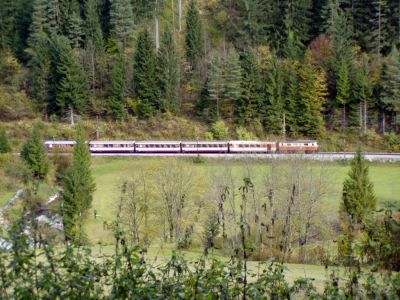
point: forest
(81, 227)
(296, 68)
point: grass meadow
(110, 172)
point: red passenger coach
(252, 147)
(112, 146)
(205, 147)
(298, 146)
(158, 147)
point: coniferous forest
(293, 67)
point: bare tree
(175, 184)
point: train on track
(195, 147)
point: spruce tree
(312, 97)
(168, 72)
(35, 156)
(118, 87)
(343, 89)
(72, 85)
(250, 101)
(232, 78)
(389, 86)
(92, 26)
(362, 92)
(39, 22)
(274, 97)
(145, 77)
(121, 20)
(4, 144)
(194, 35)
(358, 197)
(215, 87)
(291, 97)
(74, 30)
(78, 187)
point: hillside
(282, 68)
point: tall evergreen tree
(34, 154)
(358, 198)
(389, 86)
(214, 88)
(7, 23)
(250, 101)
(78, 188)
(92, 26)
(274, 97)
(39, 24)
(121, 20)
(194, 34)
(4, 144)
(362, 92)
(232, 78)
(118, 86)
(343, 89)
(72, 85)
(168, 72)
(145, 77)
(378, 38)
(74, 29)
(312, 97)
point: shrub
(243, 134)
(220, 130)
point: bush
(15, 105)
(220, 130)
(243, 134)
(392, 142)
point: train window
(305, 144)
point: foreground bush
(28, 271)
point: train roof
(157, 142)
(60, 142)
(205, 142)
(253, 142)
(111, 142)
(299, 141)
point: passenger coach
(188, 146)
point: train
(189, 147)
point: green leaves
(34, 154)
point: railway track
(321, 156)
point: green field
(110, 172)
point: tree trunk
(156, 32)
(383, 125)
(180, 14)
(360, 117)
(365, 119)
(344, 116)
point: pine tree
(78, 187)
(74, 30)
(118, 87)
(4, 144)
(194, 35)
(72, 87)
(277, 25)
(343, 89)
(362, 92)
(92, 26)
(39, 24)
(298, 19)
(377, 38)
(250, 101)
(39, 63)
(232, 78)
(358, 198)
(168, 72)
(274, 97)
(145, 77)
(215, 87)
(34, 154)
(389, 86)
(7, 23)
(121, 20)
(312, 97)
(54, 17)
(291, 97)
